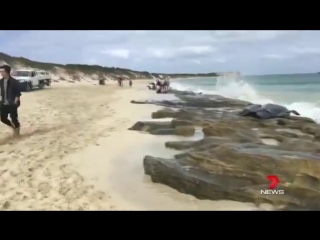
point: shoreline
(71, 154)
(121, 175)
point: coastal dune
(75, 73)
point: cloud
(301, 51)
(92, 61)
(246, 36)
(197, 49)
(275, 56)
(220, 60)
(195, 61)
(187, 52)
(120, 53)
(251, 52)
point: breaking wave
(240, 89)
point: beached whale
(267, 111)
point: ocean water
(300, 92)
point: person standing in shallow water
(10, 99)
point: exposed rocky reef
(237, 153)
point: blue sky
(250, 52)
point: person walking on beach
(120, 81)
(165, 84)
(168, 83)
(10, 99)
(130, 82)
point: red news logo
(274, 179)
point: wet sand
(75, 153)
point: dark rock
(234, 172)
(184, 131)
(245, 136)
(317, 135)
(302, 119)
(179, 145)
(163, 128)
(177, 122)
(163, 131)
(164, 113)
(231, 161)
(149, 126)
(218, 130)
(180, 131)
(300, 145)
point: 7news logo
(272, 188)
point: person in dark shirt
(9, 99)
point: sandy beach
(75, 153)
(35, 171)
(231, 124)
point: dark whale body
(267, 111)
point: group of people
(160, 85)
(10, 93)
(120, 82)
(163, 84)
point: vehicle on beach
(32, 78)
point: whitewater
(259, 92)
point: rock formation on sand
(78, 72)
(237, 153)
